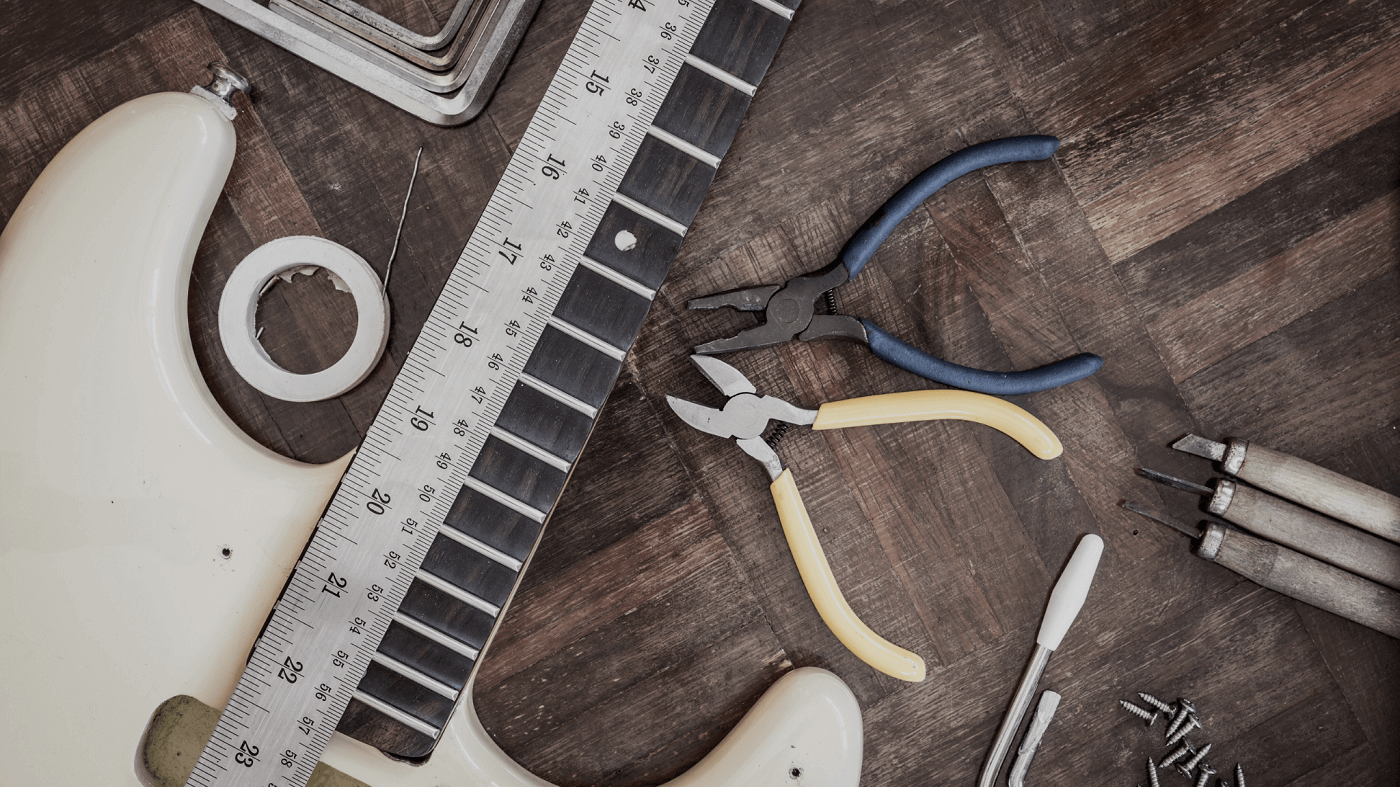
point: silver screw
(1181, 715)
(1156, 703)
(1183, 750)
(1152, 773)
(1239, 775)
(1191, 723)
(1141, 713)
(1206, 773)
(226, 81)
(1191, 764)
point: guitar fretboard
(460, 593)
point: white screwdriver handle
(1069, 593)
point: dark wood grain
(1220, 224)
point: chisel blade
(1175, 483)
(1163, 518)
(1199, 446)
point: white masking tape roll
(238, 311)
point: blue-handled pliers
(790, 308)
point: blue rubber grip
(861, 247)
(912, 359)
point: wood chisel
(1294, 526)
(1302, 482)
(1292, 573)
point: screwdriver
(1302, 482)
(1294, 526)
(1292, 573)
(1066, 599)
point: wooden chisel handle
(1298, 576)
(1315, 487)
(1308, 532)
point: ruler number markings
(476, 348)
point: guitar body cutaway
(145, 537)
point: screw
(1183, 750)
(1152, 773)
(1191, 723)
(1156, 703)
(1141, 713)
(1206, 773)
(1190, 764)
(1239, 775)
(1181, 715)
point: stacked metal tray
(445, 77)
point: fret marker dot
(625, 241)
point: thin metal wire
(403, 215)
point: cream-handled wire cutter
(745, 417)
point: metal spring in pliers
(830, 298)
(772, 438)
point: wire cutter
(745, 417)
(790, 308)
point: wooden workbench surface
(1220, 225)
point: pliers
(790, 308)
(745, 417)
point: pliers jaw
(789, 309)
(744, 417)
(747, 299)
(759, 449)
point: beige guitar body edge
(144, 537)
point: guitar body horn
(144, 537)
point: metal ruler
(537, 267)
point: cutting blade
(1163, 518)
(1199, 446)
(724, 377)
(1175, 483)
(706, 419)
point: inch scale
(391, 503)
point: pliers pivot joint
(789, 309)
(745, 416)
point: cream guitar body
(144, 538)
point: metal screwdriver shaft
(1065, 602)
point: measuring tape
(561, 248)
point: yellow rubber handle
(807, 552)
(897, 408)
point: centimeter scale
(423, 544)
